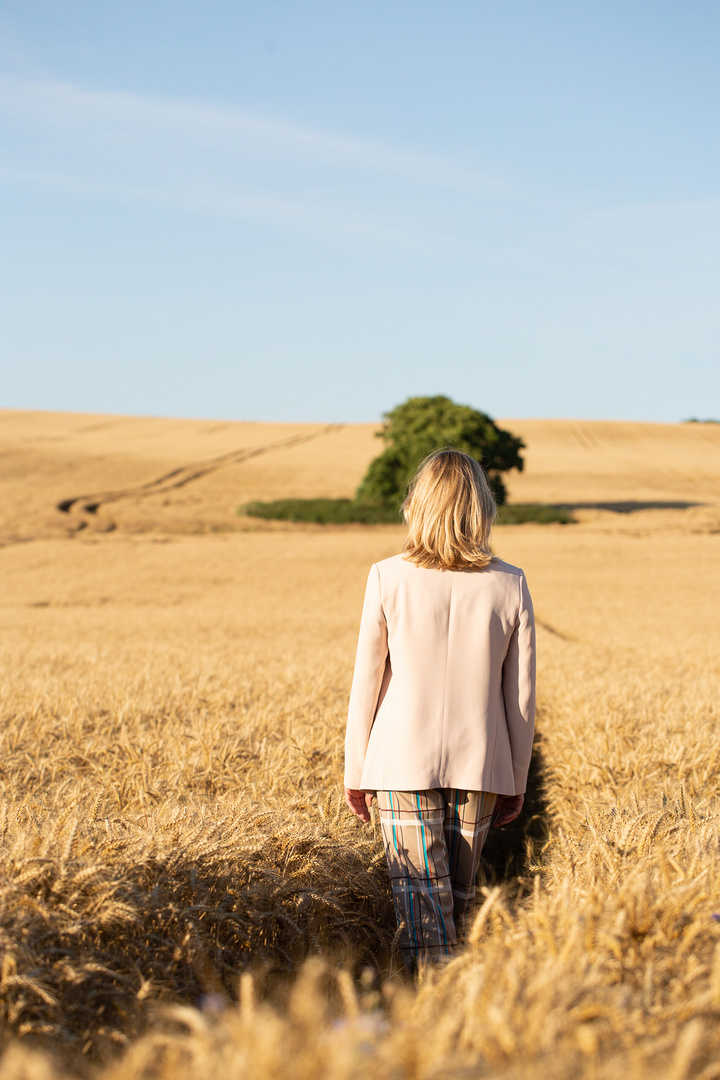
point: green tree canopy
(424, 424)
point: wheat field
(183, 893)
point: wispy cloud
(124, 118)
(229, 162)
(234, 203)
(236, 164)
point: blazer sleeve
(518, 683)
(372, 651)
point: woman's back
(443, 692)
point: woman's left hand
(359, 802)
(507, 809)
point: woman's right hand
(359, 802)
(507, 809)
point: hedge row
(348, 511)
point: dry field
(182, 893)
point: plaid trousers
(433, 841)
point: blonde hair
(449, 511)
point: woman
(442, 707)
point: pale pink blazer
(443, 693)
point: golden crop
(182, 892)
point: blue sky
(311, 211)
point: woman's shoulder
(499, 566)
(394, 562)
(390, 569)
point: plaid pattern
(433, 841)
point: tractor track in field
(184, 474)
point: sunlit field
(183, 893)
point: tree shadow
(626, 507)
(509, 851)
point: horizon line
(7, 410)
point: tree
(424, 424)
